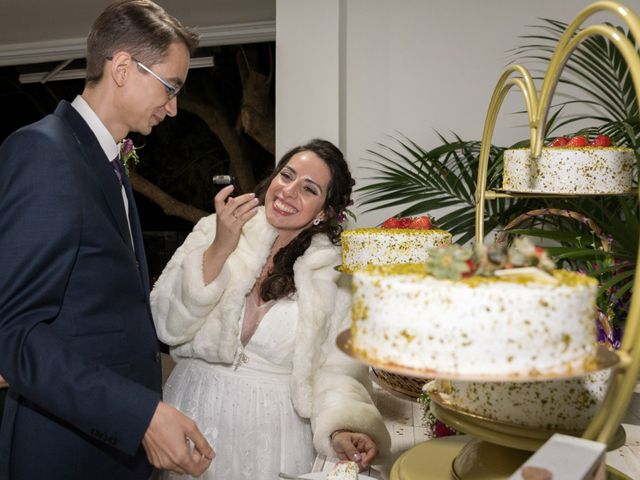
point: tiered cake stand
(498, 449)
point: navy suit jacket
(77, 341)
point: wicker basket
(541, 212)
(410, 386)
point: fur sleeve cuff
(200, 297)
(353, 416)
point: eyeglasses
(172, 91)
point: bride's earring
(316, 222)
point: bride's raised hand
(231, 215)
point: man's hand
(173, 442)
(3, 382)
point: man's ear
(120, 67)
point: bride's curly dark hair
(279, 281)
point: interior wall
(308, 53)
(360, 71)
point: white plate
(323, 476)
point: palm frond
(596, 68)
(426, 180)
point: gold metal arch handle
(503, 86)
(624, 380)
(538, 108)
(570, 39)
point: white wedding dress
(246, 412)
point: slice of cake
(574, 166)
(428, 317)
(400, 240)
(344, 471)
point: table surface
(403, 418)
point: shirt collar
(105, 139)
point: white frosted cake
(364, 247)
(519, 324)
(557, 405)
(344, 471)
(569, 170)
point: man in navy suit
(77, 342)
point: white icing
(344, 471)
(559, 405)
(587, 170)
(482, 327)
(368, 246)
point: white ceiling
(33, 31)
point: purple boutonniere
(128, 153)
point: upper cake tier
(584, 170)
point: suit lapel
(99, 166)
(105, 177)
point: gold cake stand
(497, 450)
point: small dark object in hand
(223, 179)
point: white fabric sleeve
(342, 400)
(180, 300)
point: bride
(251, 305)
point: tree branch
(257, 111)
(169, 205)
(222, 128)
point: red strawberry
(578, 141)
(469, 272)
(405, 222)
(601, 141)
(559, 142)
(392, 222)
(421, 223)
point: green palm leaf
(405, 175)
(596, 68)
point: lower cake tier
(480, 326)
(566, 405)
